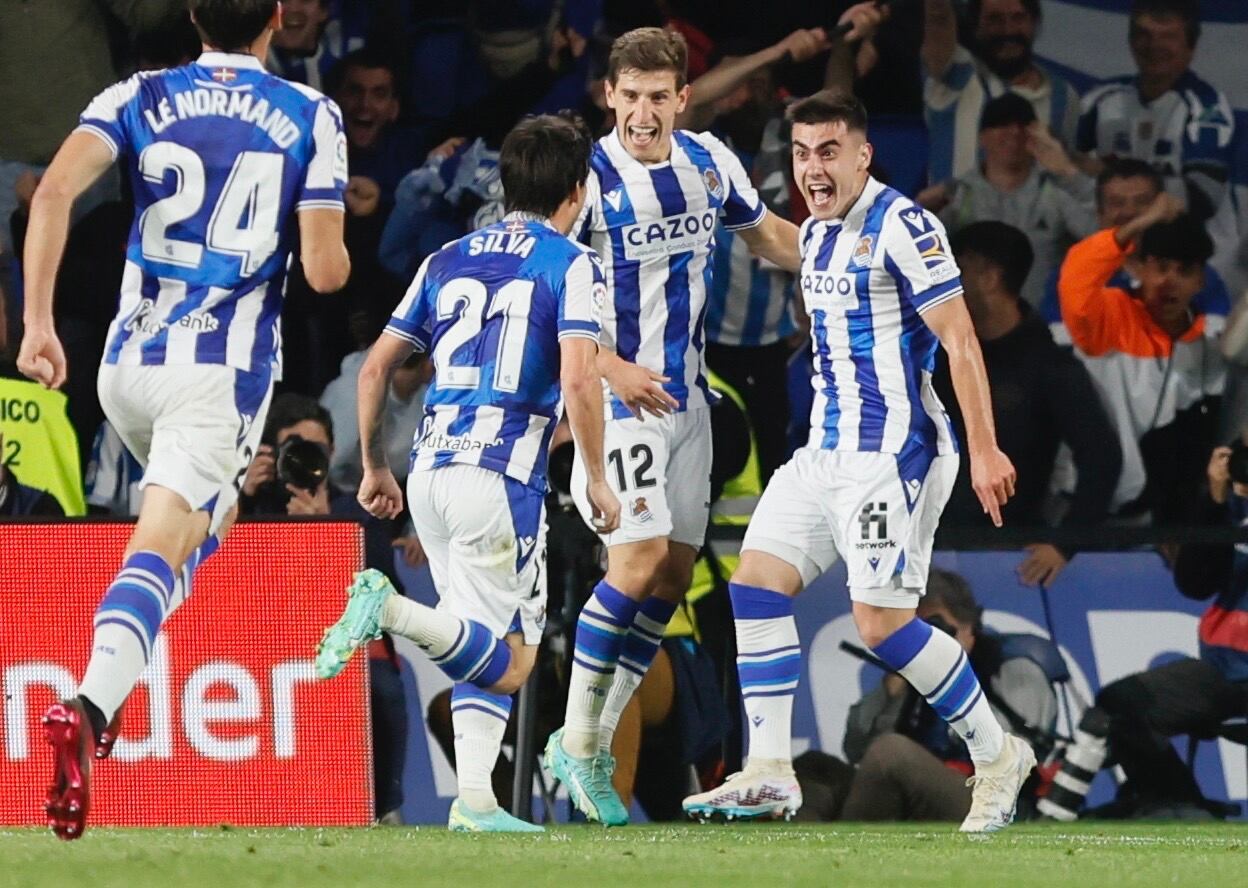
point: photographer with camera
(910, 765)
(1135, 717)
(290, 476)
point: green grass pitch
(757, 856)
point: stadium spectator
(1042, 397)
(1125, 188)
(56, 57)
(1135, 717)
(288, 477)
(404, 411)
(1168, 116)
(910, 766)
(455, 191)
(18, 500)
(112, 483)
(751, 312)
(310, 43)
(1026, 180)
(1159, 375)
(960, 82)
(378, 151)
(321, 331)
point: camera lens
(303, 464)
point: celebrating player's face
(646, 104)
(830, 165)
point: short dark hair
(231, 24)
(1126, 168)
(1182, 239)
(975, 8)
(1001, 245)
(365, 57)
(1187, 10)
(650, 49)
(290, 408)
(543, 159)
(829, 106)
(949, 590)
(1007, 109)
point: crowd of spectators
(1096, 233)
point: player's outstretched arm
(379, 493)
(326, 265)
(992, 473)
(81, 160)
(582, 396)
(774, 239)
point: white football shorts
(660, 468)
(485, 537)
(878, 511)
(193, 427)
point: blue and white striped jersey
(751, 300)
(491, 308)
(654, 227)
(953, 103)
(221, 156)
(867, 280)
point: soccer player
(883, 291)
(510, 314)
(655, 194)
(223, 157)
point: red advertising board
(228, 723)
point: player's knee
(765, 571)
(876, 624)
(518, 669)
(635, 569)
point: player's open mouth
(294, 20)
(642, 136)
(821, 194)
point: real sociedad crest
(862, 251)
(712, 183)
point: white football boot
(766, 788)
(994, 796)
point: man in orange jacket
(1150, 355)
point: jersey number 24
(243, 222)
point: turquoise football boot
(359, 624)
(588, 781)
(464, 819)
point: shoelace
(993, 784)
(600, 772)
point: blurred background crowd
(1101, 224)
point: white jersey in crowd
(653, 225)
(867, 279)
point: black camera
(298, 462)
(1237, 465)
(302, 463)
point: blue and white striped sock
(126, 624)
(937, 667)
(464, 649)
(600, 633)
(769, 665)
(479, 719)
(636, 654)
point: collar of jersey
(619, 144)
(522, 216)
(870, 192)
(214, 59)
